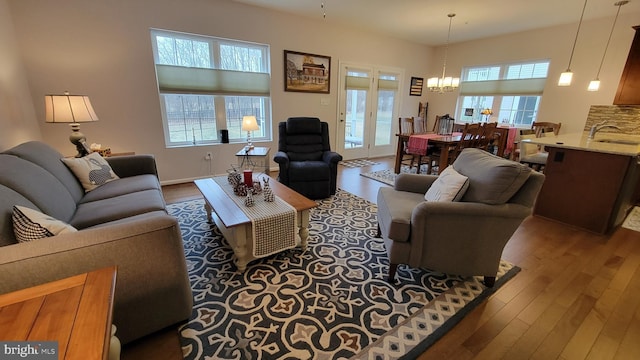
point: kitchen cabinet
(629, 87)
(589, 183)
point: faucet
(597, 127)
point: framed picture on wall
(416, 86)
(304, 72)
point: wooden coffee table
(236, 226)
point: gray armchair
(462, 238)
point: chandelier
(444, 83)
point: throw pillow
(91, 170)
(29, 224)
(449, 186)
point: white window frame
(507, 89)
(217, 95)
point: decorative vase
(267, 192)
(248, 201)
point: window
(207, 84)
(512, 91)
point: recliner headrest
(304, 125)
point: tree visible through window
(207, 84)
(512, 91)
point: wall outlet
(207, 156)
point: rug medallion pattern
(330, 302)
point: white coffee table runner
(273, 223)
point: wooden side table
(76, 312)
(258, 156)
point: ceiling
(426, 21)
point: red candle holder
(248, 178)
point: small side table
(258, 156)
(76, 312)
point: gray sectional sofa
(123, 222)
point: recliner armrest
(331, 157)
(414, 183)
(281, 158)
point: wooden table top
(76, 312)
(231, 215)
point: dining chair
(411, 126)
(533, 155)
(405, 127)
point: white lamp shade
(249, 123)
(565, 78)
(594, 85)
(68, 109)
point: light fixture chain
(577, 33)
(619, 5)
(446, 48)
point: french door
(368, 102)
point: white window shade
(384, 84)
(179, 79)
(503, 87)
(358, 83)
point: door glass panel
(386, 100)
(356, 108)
(356, 111)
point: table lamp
(249, 124)
(72, 109)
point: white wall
(103, 49)
(569, 105)
(17, 115)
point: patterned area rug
(388, 177)
(632, 222)
(357, 163)
(330, 302)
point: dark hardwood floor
(577, 296)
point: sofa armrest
(414, 183)
(152, 286)
(331, 157)
(132, 165)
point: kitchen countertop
(604, 142)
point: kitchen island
(590, 183)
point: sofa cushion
(449, 186)
(492, 179)
(91, 170)
(117, 207)
(48, 158)
(29, 225)
(394, 212)
(122, 186)
(38, 186)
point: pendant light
(567, 76)
(445, 83)
(594, 85)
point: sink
(620, 141)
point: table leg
(241, 237)
(396, 168)
(303, 228)
(208, 209)
(444, 159)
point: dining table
(444, 144)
